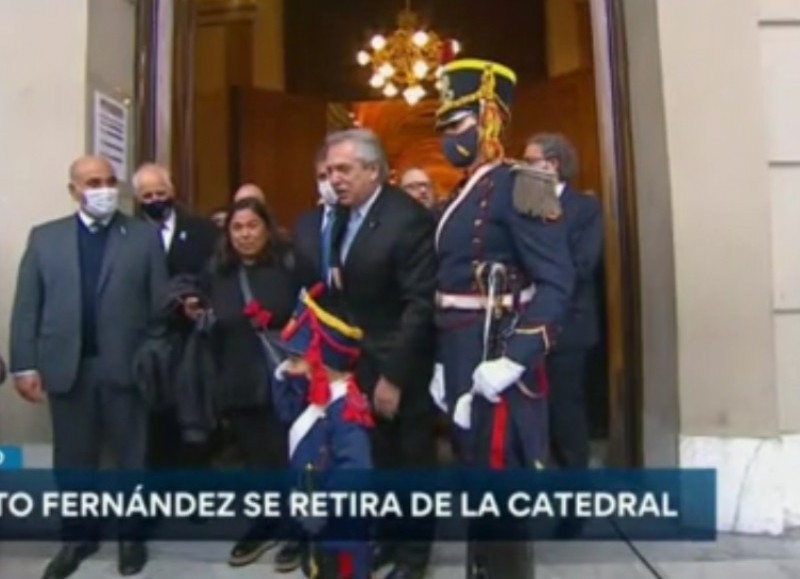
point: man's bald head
(90, 172)
(416, 183)
(88, 163)
(249, 191)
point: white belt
(478, 302)
(303, 424)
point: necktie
(353, 226)
(325, 238)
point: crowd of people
(476, 306)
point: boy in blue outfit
(316, 394)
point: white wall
(779, 34)
(45, 96)
(42, 128)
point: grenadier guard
(504, 283)
(316, 394)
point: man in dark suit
(189, 243)
(386, 274)
(312, 230)
(566, 363)
(88, 286)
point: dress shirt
(357, 215)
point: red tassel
(319, 392)
(262, 319)
(316, 291)
(346, 567)
(356, 410)
(251, 308)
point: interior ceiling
(322, 39)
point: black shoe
(249, 551)
(68, 559)
(287, 559)
(132, 558)
(405, 572)
(381, 557)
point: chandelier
(410, 57)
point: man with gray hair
(188, 243)
(566, 363)
(384, 271)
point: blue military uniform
(329, 421)
(504, 280)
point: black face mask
(158, 210)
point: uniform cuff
(528, 344)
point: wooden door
(275, 140)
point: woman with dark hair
(253, 285)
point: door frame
(164, 41)
(624, 349)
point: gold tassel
(490, 123)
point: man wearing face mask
(313, 229)
(504, 282)
(188, 241)
(88, 286)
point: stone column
(714, 240)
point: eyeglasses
(417, 185)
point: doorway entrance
(257, 85)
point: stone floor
(731, 557)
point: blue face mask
(461, 149)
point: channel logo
(10, 458)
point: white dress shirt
(168, 230)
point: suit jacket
(584, 219)
(46, 316)
(388, 290)
(307, 241)
(193, 244)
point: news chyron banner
(675, 505)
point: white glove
(462, 415)
(491, 378)
(280, 371)
(437, 387)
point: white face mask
(101, 202)
(326, 192)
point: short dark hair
(276, 250)
(557, 146)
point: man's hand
(386, 398)
(29, 386)
(192, 308)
